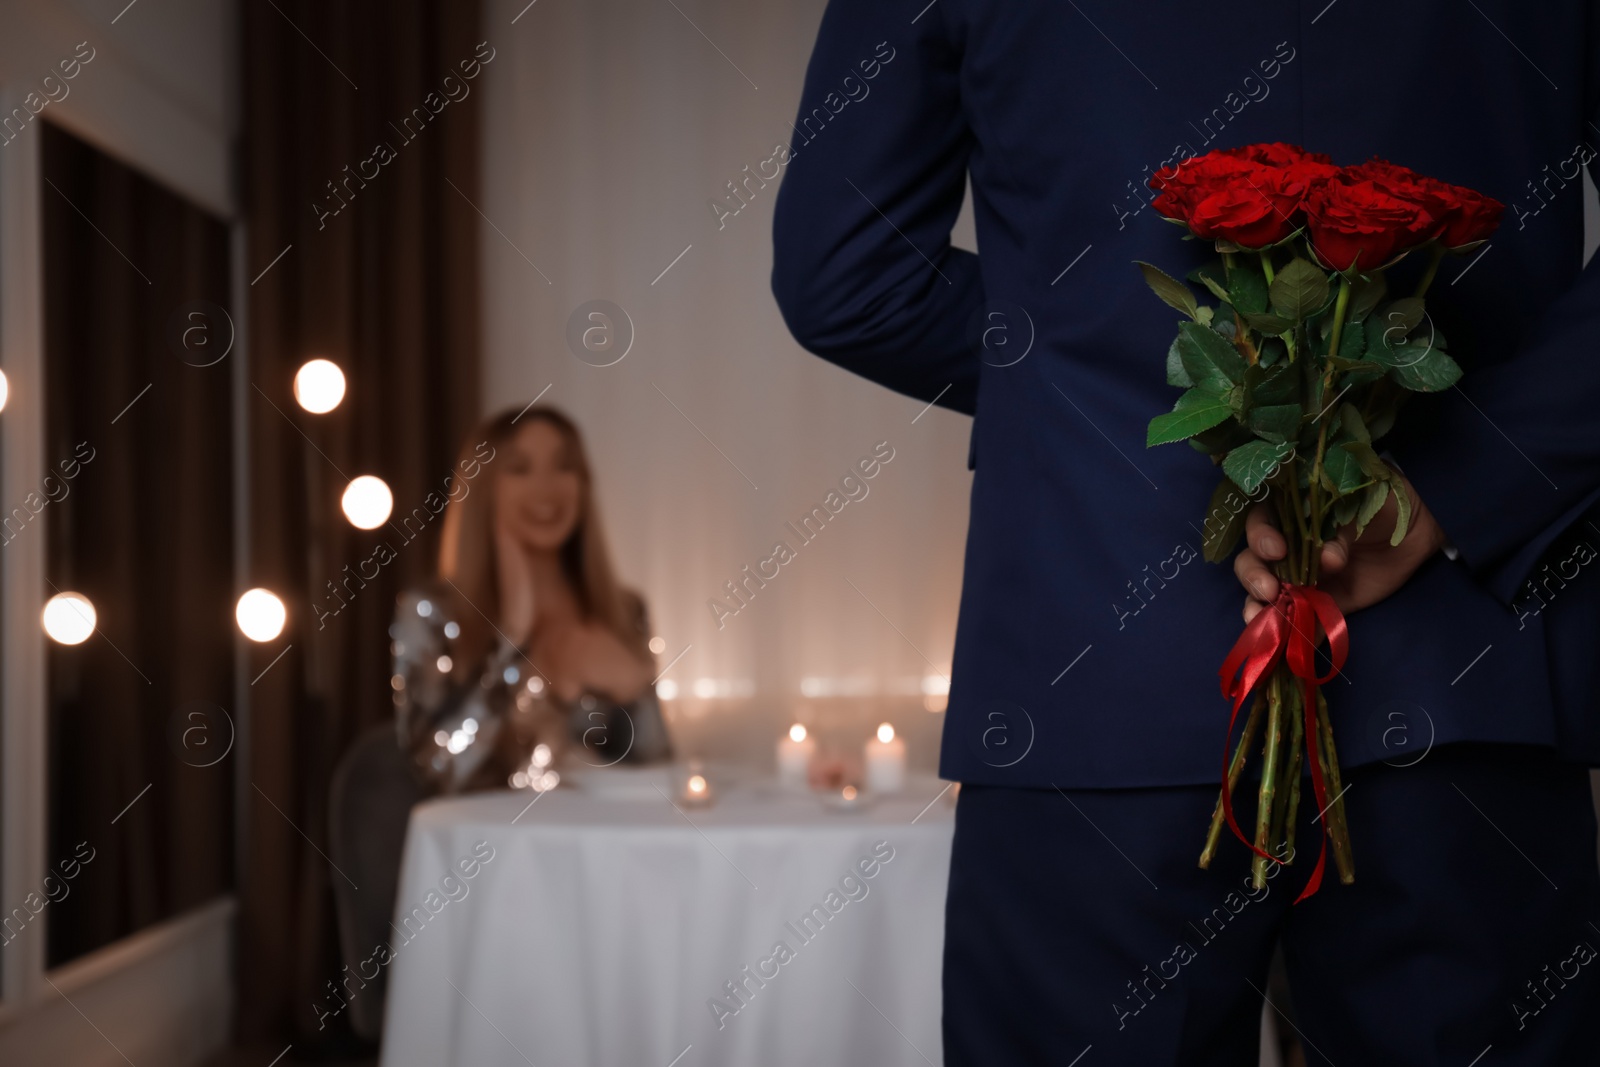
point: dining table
(628, 918)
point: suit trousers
(1080, 931)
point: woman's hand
(1356, 573)
(588, 656)
(515, 586)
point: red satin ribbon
(1286, 627)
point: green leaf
(1365, 294)
(1379, 349)
(1211, 361)
(1424, 370)
(1368, 460)
(1270, 351)
(1249, 389)
(1254, 462)
(1344, 510)
(1224, 523)
(1211, 276)
(1196, 410)
(1402, 520)
(1275, 422)
(1204, 316)
(1247, 291)
(1272, 325)
(1401, 317)
(1220, 438)
(1371, 504)
(1384, 402)
(1299, 290)
(1357, 371)
(1340, 472)
(1313, 400)
(1280, 384)
(1176, 375)
(1168, 288)
(1351, 423)
(1352, 342)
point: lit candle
(794, 757)
(697, 792)
(886, 761)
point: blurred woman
(525, 645)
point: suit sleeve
(1513, 459)
(863, 270)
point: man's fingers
(1262, 534)
(1256, 577)
(1335, 554)
(1252, 608)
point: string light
(260, 615)
(68, 618)
(367, 502)
(319, 386)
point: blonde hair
(467, 549)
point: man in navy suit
(1084, 722)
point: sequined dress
(504, 723)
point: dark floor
(263, 1057)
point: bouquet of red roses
(1290, 380)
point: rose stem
(1338, 829)
(1434, 259)
(1266, 264)
(1269, 775)
(1339, 308)
(1283, 820)
(1235, 768)
(1299, 570)
(1294, 798)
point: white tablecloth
(608, 923)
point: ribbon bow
(1287, 628)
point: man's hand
(1356, 573)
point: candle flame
(849, 792)
(797, 732)
(885, 733)
(697, 784)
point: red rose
(1258, 206)
(1472, 216)
(1356, 222)
(1313, 171)
(1463, 215)
(1275, 154)
(1183, 186)
(1242, 213)
(1406, 184)
(1249, 195)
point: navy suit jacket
(1090, 631)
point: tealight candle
(794, 757)
(886, 761)
(697, 791)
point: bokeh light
(260, 615)
(367, 502)
(319, 386)
(68, 618)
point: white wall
(160, 93)
(157, 91)
(608, 127)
